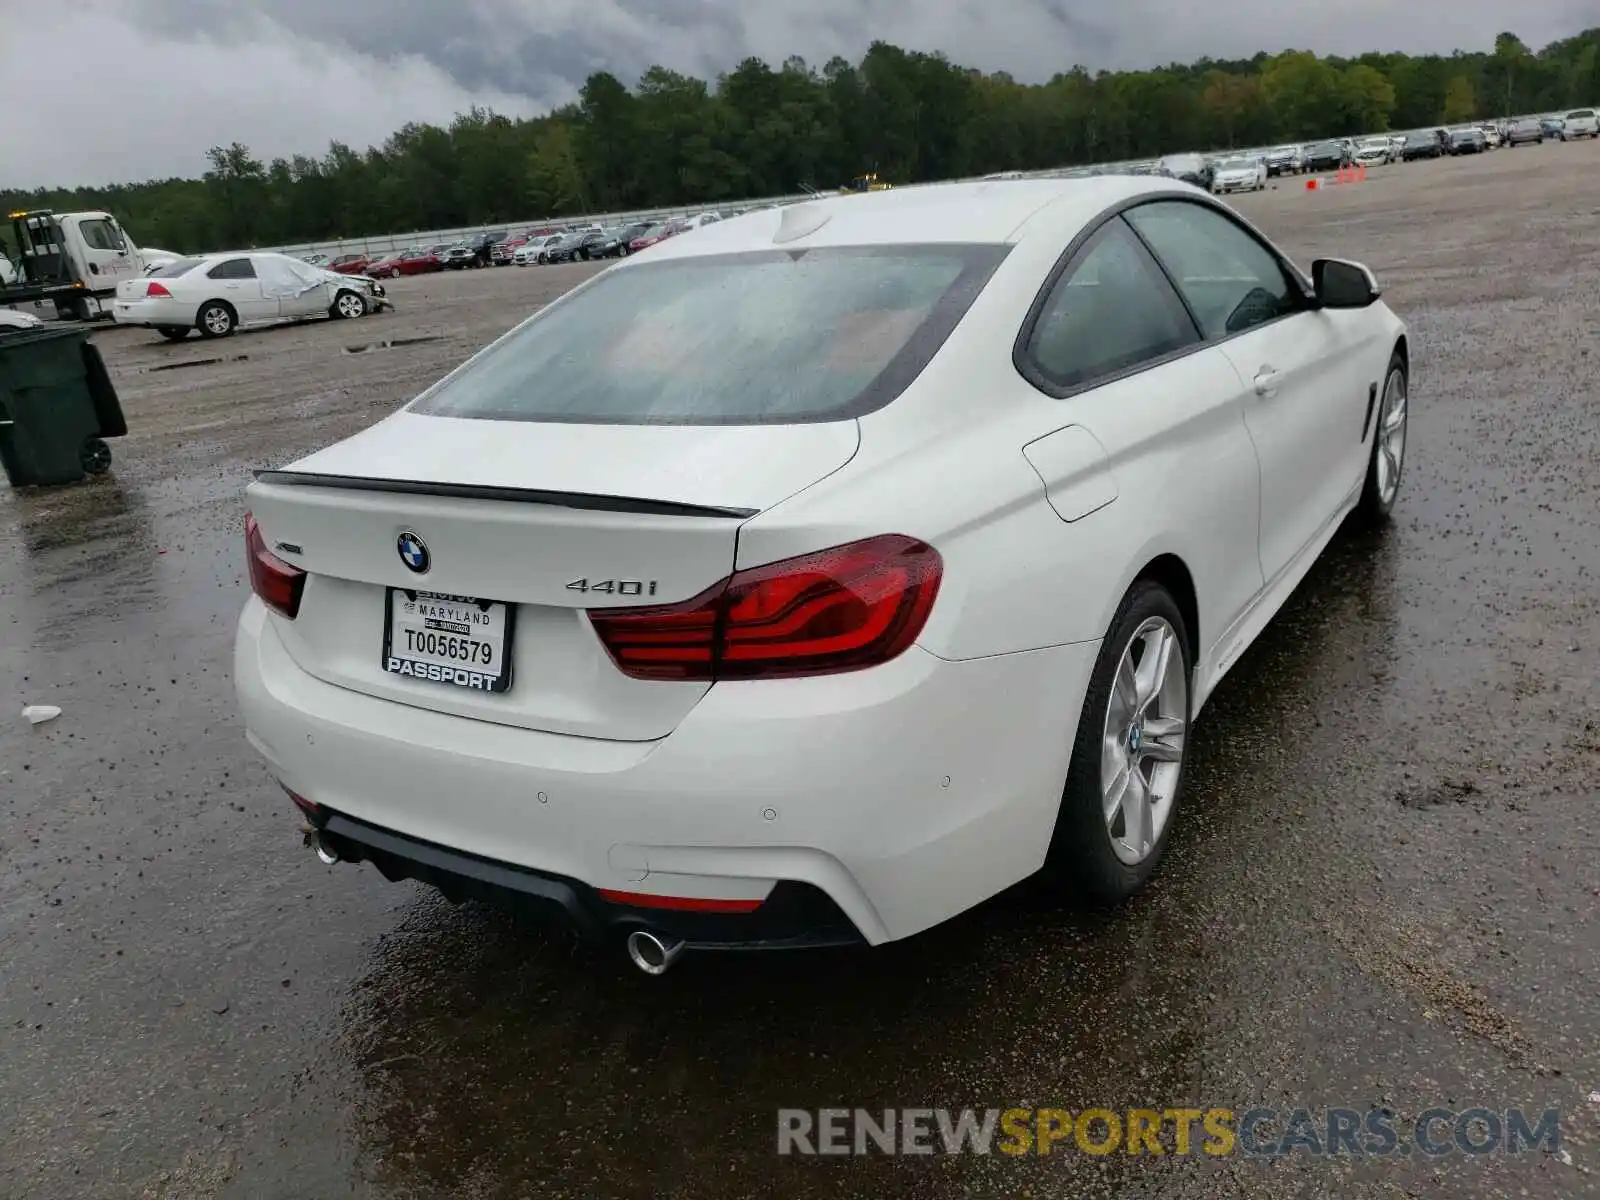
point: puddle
(393, 343)
(191, 362)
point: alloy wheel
(1141, 758)
(1392, 437)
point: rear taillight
(157, 289)
(277, 583)
(842, 609)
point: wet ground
(1382, 894)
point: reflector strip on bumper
(679, 903)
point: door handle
(1266, 382)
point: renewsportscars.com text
(1257, 1132)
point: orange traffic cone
(1361, 173)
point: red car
(657, 233)
(351, 264)
(410, 262)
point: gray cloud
(171, 77)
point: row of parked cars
(500, 248)
(1249, 170)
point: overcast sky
(153, 83)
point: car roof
(982, 212)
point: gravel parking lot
(1383, 892)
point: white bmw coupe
(818, 574)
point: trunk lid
(546, 519)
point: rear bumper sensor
(794, 915)
(472, 491)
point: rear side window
(1110, 311)
(1583, 114)
(175, 268)
(771, 337)
(233, 268)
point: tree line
(761, 131)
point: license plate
(455, 640)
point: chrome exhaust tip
(652, 954)
(326, 854)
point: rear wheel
(94, 456)
(1387, 462)
(215, 319)
(1126, 774)
(173, 333)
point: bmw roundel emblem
(413, 552)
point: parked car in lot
(1239, 175)
(483, 247)
(218, 293)
(1425, 144)
(458, 258)
(1579, 123)
(527, 254)
(1492, 136)
(1285, 160)
(1190, 168)
(407, 262)
(1467, 141)
(1374, 152)
(1553, 127)
(706, 608)
(1525, 132)
(615, 242)
(1327, 156)
(655, 234)
(350, 264)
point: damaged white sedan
(217, 293)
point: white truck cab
(74, 260)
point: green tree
(238, 182)
(1460, 101)
(1305, 95)
(1368, 97)
(1510, 56)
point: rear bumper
(792, 916)
(153, 312)
(904, 794)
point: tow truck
(865, 183)
(71, 260)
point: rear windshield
(178, 266)
(773, 337)
(1583, 114)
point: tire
(1386, 464)
(347, 306)
(94, 456)
(216, 319)
(1086, 852)
(173, 333)
(584, 254)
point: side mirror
(1342, 284)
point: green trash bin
(57, 405)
